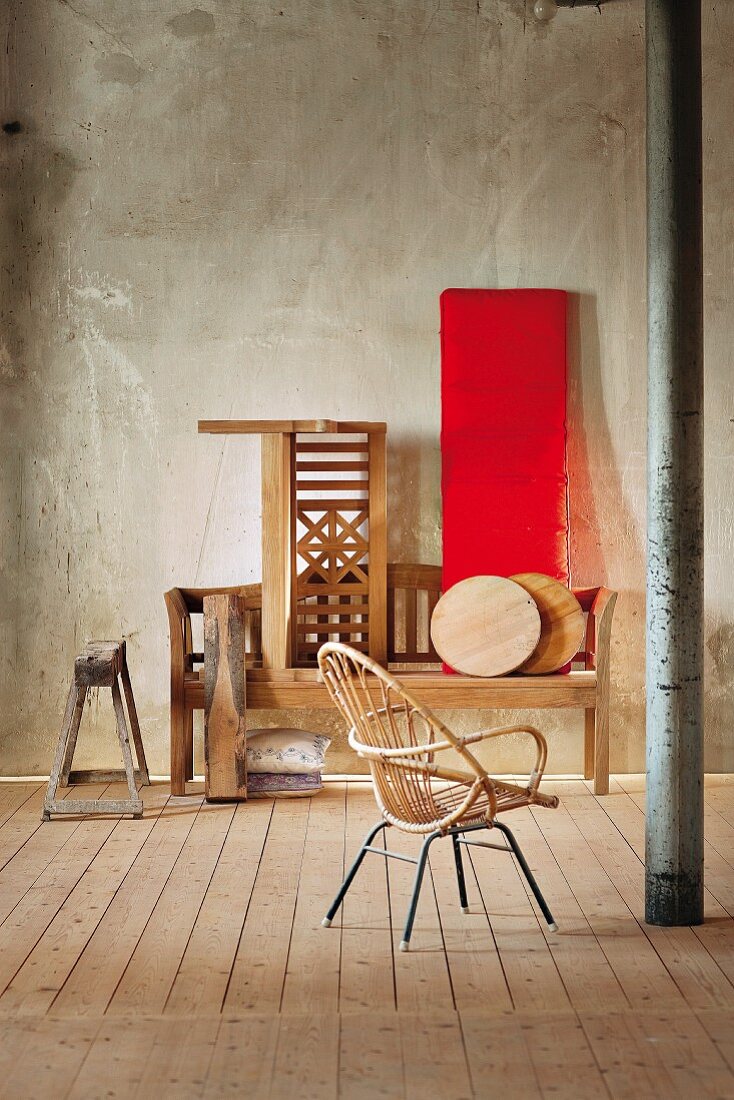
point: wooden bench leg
(601, 749)
(589, 742)
(189, 735)
(603, 627)
(181, 746)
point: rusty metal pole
(674, 841)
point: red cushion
(503, 433)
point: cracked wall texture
(250, 209)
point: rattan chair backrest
(385, 723)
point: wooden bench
(412, 591)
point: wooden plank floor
(182, 956)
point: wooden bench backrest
(412, 593)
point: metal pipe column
(674, 841)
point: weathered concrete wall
(250, 209)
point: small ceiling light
(545, 10)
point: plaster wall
(250, 209)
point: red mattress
(503, 433)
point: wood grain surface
(561, 623)
(183, 956)
(224, 698)
(485, 626)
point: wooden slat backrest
(413, 590)
(412, 593)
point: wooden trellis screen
(335, 511)
(324, 536)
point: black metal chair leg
(529, 876)
(422, 860)
(460, 873)
(326, 922)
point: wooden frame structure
(412, 593)
(326, 578)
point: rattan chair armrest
(410, 751)
(540, 745)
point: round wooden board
(485, 626)
(561, 623)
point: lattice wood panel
(331, 545)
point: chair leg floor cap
(465, 908)
(404, 945)
(326, 923)
(553, 927)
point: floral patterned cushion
(285, 751)
(265, 783)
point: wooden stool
(99, 665)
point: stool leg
(134, 725)
(53, 782)
(73, 734)
(124, 742)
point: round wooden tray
(561, 623)
(485, 626)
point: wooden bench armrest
(603, 602)
(599, 631)
(179, 626)
(193, 598)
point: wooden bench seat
(268, 689)
(413, 591)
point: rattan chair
(400, 739)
